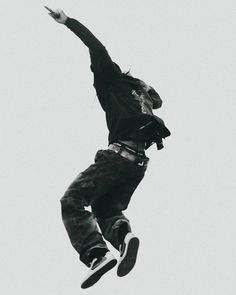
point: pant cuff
(85, 255)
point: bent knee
(71, 200)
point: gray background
(184, 210)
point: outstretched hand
(58, 15)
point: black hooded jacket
(127, 104)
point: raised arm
(100, 59)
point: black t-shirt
(126, 101)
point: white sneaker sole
(93, 278)
(128, 260)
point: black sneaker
(98, 268)
(128, 254)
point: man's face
(152, 94)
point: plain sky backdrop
(52, 125)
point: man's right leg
(81, 226)
(82, 229)
(90, 185)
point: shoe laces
(93, 262)
(122, 248)
(96, 261)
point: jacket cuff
(68, 21)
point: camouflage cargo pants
(106, 186)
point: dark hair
(123, 73)
(126, 73)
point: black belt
(126, 152)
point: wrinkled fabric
(106, 186)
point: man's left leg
(114, 224)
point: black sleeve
(101, 62)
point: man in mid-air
(108, 184)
